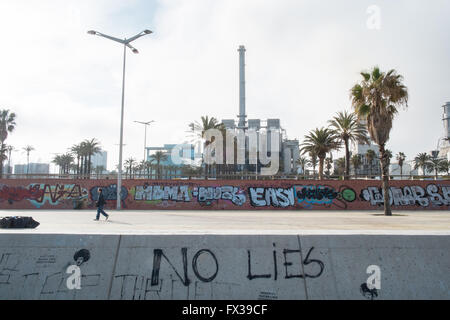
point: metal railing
(232, 176)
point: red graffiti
(20, 193)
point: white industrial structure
(288, 152)
(444, 142)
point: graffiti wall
(225, 195)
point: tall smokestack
(242, 114)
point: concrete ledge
(224, 266)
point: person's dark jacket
(101, 200)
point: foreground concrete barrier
(225, 266)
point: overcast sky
(302, 59)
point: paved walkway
(236, 222)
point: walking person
(100, 203)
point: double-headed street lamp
(126, 43)
(145, 136)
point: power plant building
(257, 129)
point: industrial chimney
(242, 115)
(446, 119)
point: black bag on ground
(18, 223)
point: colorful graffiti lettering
(409, 196)
(154, 193)
(276, 197)
(209, 194)
(53, 194)
(315, 194)
(12, 194)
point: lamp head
(147, 31)
(92, 32)
(135, 51)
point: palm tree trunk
(347, 161)
(89, 166)
(321, 160)
(78, 166)
(385, 178)
(1, 162)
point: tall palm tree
(356, 162)
(401, 157)
(370, 156)
(84, 157)
(200, 128)
(420, 161)
(348, 129)
(320, 141)
(159, 156)
(7, 125)
(376, 99)
(28, 149)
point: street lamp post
(145, 136)
(126, 43)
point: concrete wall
(225, 195)
(218, 267)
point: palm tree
(312, 162)
(129, 166)
(7, 125)
(370, 156)
(28, 149)
(376, 99)
(149, 168)
(445, 166)
(328, 165)
(339, 168)
(77, 151)
(10, 149)
(421, 161)
(302, 163)
(320, 142)
(435, 164)
(99, 170)
(159, 157)
(58, 161)
(199, 129)
(3, 154)
(401, 157)
(348, 129)
(91, 147)
(356, 162)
